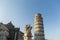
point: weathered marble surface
(3, 32)
(28, 34)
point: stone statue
(28, 34)
(28, 29)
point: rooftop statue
(28, 34)
(28, 29)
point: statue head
(28, 27)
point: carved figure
(28, 29)
(28, 34)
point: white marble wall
(3, 35)
(3, 32)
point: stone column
(28, 34)
(38, 27)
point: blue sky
(21, 12)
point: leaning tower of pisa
(38, 27)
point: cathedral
(9, 32)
